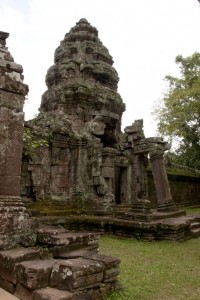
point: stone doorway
(120, 185)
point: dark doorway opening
(120, 185)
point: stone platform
(64, 265)
(160, 226)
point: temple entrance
(120, 185)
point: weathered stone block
(69, 238)
(52, 294)
(76, 274)
(111, 270)
(107, 172)
(23, 293)
(91, 294)
(35, 274)
(6, 285)
(44, 235)
(111, 274)
(108, 261)
(74, 251)
(11, 100)
(9, 258)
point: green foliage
(178, 113)
(31, 142)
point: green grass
(161, 270)
(191, 210)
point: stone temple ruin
(89, 160)
(39, 262)
(90, 166)
(85, 169)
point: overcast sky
(143, 36)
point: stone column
(141, 206)
(164, 198)
(13, 218)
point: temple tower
(82, 84)
(81, 111)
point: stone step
(195, 232)
(60, 237)
(76, 274)
(74, 238)
(52, 294)
(74, 252)
(35, 274)
(8, 261)
(64, 279)
(194, 225)
(65, 266)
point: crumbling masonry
(39, 262)
(88, 166)
(89, 163)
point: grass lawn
(162, 270)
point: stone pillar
(164, 198)
(136, 143)
(13, 218)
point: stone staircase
(195, 229)
(64, 265)
(194, 220)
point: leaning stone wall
(185, 189)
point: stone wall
(185, 189)
(15, 226)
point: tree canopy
(178, 113)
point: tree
(31, 142)
(178, 113)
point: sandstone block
(9, 258)
(52, 294)
(35, 274)
(67, 238)
(111, 270)
(44, 234)
(6, 285)
(76, 274)
(22, 292)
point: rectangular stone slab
(7, 285)
(76, 274)
(9, 258)
(108, 261)
(44, 234)
(22, 292)
(52, 294)
(35, 274)
(111, 264)
(66, 238)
